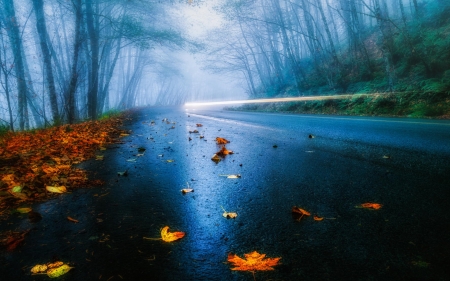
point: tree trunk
(12, 28)
(71, 110)
(38, 7)
(92, 28)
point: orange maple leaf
(298, 213)
(253, 261)
(222, 140)
(224, 151)
(374, 206)
(171, 236)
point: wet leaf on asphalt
(170, 236)
(39, 268)
(299, 213)
(72, 220)
(224, 151)
(228, 215)
(220, 140)
(216, 158)
(253, 261)
(124, 174)
(58, 271)
(316, 218)
(56, 189)
(233, 176)
(374, 206)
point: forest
(69, 61)
(302, 48)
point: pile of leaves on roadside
(31, 162)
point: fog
(68, 61)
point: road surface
(327, 165)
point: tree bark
(92, 29)
(12, 28)
(71, 110)
(38, 7)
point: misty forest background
(64, 61)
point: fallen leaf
(316, 218)
(374, 206)
(224, 151)
(228, 215)
(56, 189)
(187, 190)
(98, 157)
(234, 176)
(72, 220)
(55, 264)
(171, 236)
(253, 261)
(216, 158)
(17, 189)
(298, 213)
(58, 271)
(24, 210)
(169, 161)
(124, 174)
(193, 132)
(39, 268)
(199, 125)
(222, 140)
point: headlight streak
(308, 98)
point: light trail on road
(307, 98)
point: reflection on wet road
(402, 165)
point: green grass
(109, 114)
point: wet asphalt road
(403, 164)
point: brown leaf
(222, 140)
(253, 261)
(299, 213)
(224, 151)
(72, 220)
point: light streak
(307, 98)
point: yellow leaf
(56, 189)
(171, 236)
(58, 271)
(24, 210)
(187, 190)
(38, 268)
(229, 215)
(253, 261)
